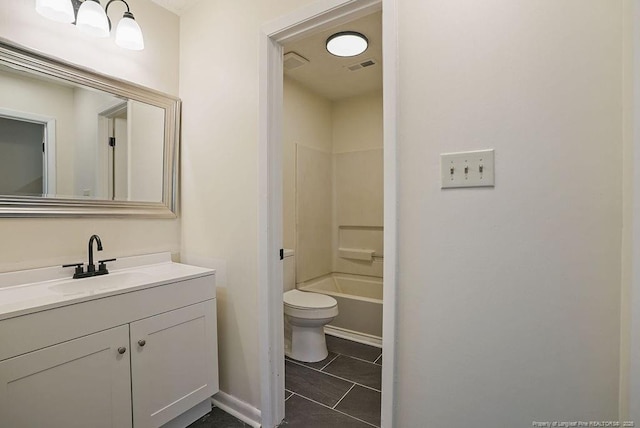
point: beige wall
(509, 298)
(307, 122)
(357, 123)
(314, 213)
(627, 213)
(89, 177)
(357, 130)
(338, 197)
(146, 154)
(43, 242)
(219, 88)
(630, 391)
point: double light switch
(467, 169)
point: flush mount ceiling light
(347, 43)
(91, 19)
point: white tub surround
(134, 348)
(359, 298)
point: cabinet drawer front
(173, 363)
(80, 383)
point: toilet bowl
(306, 314)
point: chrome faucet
(91, 267)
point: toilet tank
(289, 275)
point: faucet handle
(102, 267)
(78, 266)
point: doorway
(27, 154)
(114, 156)
(302, 23)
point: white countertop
(35, 290)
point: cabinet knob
(142, 342)
(122, 350)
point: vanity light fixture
(347, 43)
(93, 20)
(56, 10)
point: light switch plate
(467, 169)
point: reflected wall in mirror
(70, 137)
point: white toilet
(305, 316)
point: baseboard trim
(190, 416)
(238, 408)
(367, 339)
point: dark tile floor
(343, 390)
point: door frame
(315, 17)
(49, 160)
(633, 393)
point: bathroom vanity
(134, 348)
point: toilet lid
(307, 300)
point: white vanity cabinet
(172, 363)
(76, 384)
(145, 357)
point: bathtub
(359, 302)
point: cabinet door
(173, 363)
(81, 383)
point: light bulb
(92, 19)
(129, 34)
(56, 10)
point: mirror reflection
(64, 140)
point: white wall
(42, 242)
(509, 298)
(219, 88)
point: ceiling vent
(362, 64)
(292, 61)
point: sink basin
(94, 284)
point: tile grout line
(378, 359)
(338, 411)
(345, 355)
(332, 360)
(345, 394)
(337, 377)
(360, 359)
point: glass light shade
(56, 10)
(129, 34)
(92, 19)
(347, 43)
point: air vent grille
(292, 61)
(362, 64)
